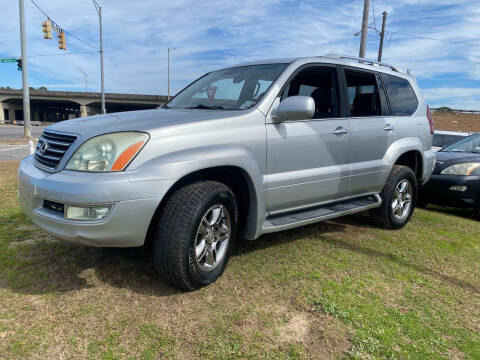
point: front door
(308, 160)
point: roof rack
(362, 60)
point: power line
(70, 53)
(434, 39)
(65, 31)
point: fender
(176, 165)
(400, 147)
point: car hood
(447, 156)
(446, 159)
(144, 120)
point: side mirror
(295, 108)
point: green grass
(340, 289)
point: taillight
(430, 120)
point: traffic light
(62, 44)
(47, 29)
(19, 64)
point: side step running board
(302, 217)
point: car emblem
(43, 147)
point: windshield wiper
(206, 107)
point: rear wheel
(195, 234)
(399, 197)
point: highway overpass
(54, 106)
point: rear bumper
(134, 204)
(438, 190)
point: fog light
(87, 213)
(458, 188)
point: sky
(216, 33)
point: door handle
(340, 131)
(389, 127)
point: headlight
(461, 169)
(110, 152)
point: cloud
(213, 34)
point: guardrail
(457, 111)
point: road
(12, 146)
(12, 153)
(16, 131)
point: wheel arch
(412, 159)
(407, 152)
(236, 178)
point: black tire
(384, 216)
(176, 233)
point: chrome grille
(51, 147)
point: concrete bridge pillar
(11, 115)
(2, 114)
(87, 111)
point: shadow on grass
(447, 210)
(54, 268)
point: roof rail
(362, 60)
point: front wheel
(195, 234)
(399, 197)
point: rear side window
(403, 101)
(363, 94)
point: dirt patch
(8, 171)
(457, 121)
(296, 329)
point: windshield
(236, 88)
(470, 144)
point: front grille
(51, 148)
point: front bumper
(438, 190)
(126, 225)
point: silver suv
(243, 151)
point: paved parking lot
(16, 131)
(13, 152)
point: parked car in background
(456, 178)
(248, 149)
(442, 138)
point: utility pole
(99, 11)
(382, 36)
(363, 41)
(104, 110)
(168, 70)
(27, 130)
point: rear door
(308, 160)
(372, 130)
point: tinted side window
(363, 94)
(321, 84)
(403, 100)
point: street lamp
(168, 69)
(86, 78)
(99, 11)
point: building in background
(53, 106)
